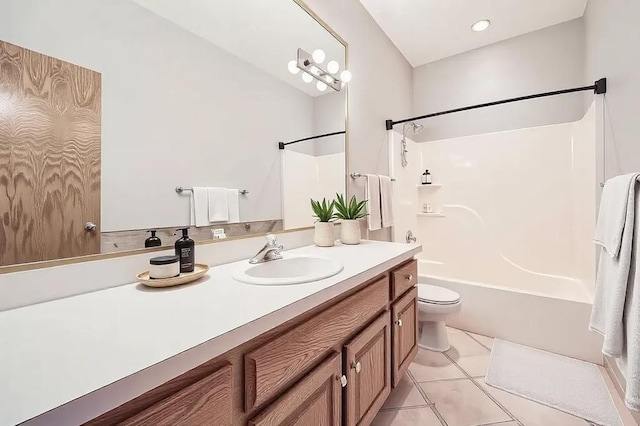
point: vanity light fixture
(481, 25)
(310, 65)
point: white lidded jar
(164, 267)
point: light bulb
(306, 78)
(314, 70)
(318, 56)
(345, 76)
(293, 67)
(321, 86)
(328, 79)
(333, 67)
(481, 25)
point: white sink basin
(289, 270)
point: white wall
(542, 61)
(612, 35)
(329, 116)
(304, 177)
(381, 87)
(177, 111)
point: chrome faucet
(410, 237)
(270, 251)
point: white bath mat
(570, 385)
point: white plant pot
(350, 232)
(324, 236)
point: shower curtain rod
(281, 145)
(598, 87)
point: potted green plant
(324, 212)
(350, 213)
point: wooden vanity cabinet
(404, 314)
(333, 365)
(367, 363)
(315, 400)
(206, 402)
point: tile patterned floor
(449, 389)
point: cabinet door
(368, 366)
(405, 333)
(313, 401)
(206, 402)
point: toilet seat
(435, 295)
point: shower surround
(512, 230)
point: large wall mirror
(124, 116)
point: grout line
(451, 379)
(408, 407)
(498, 423)
(426, 398)
(477, 341)
(491, 397)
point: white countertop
(103, 348)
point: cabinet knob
(343, 380)
(357, 366)
(399, 322)
(408, 277)
(90, 226)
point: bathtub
(545, 312)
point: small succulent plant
(323, 211)
(352, 210)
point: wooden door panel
(314, 401)
(206, 402)
(368, 366)
(50, 141)
(405, 333)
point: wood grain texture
(50, 136)
(403, 278)
(368, 389)
(235, 357)
(314, 401)
(274, 366)
(405, 336)
(206, 402)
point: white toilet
(435, 305)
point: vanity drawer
(272, 367)
(403, 278)
(206, 402)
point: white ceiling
(267, 34)
(428, 30)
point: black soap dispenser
(426, 178)
(152, 241)
(185, 250)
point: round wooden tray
(198, 272)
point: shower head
(417, 128)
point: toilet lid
(439, 295)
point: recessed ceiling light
(481, 25)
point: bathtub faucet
(410, 237)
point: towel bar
(356, 175)
(180, 190)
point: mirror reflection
(124, 117)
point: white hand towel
(199, 206)
(613, 278)
(372, 195)
(218, 205)
(233, 200)
(612, 215)
(386, 197)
